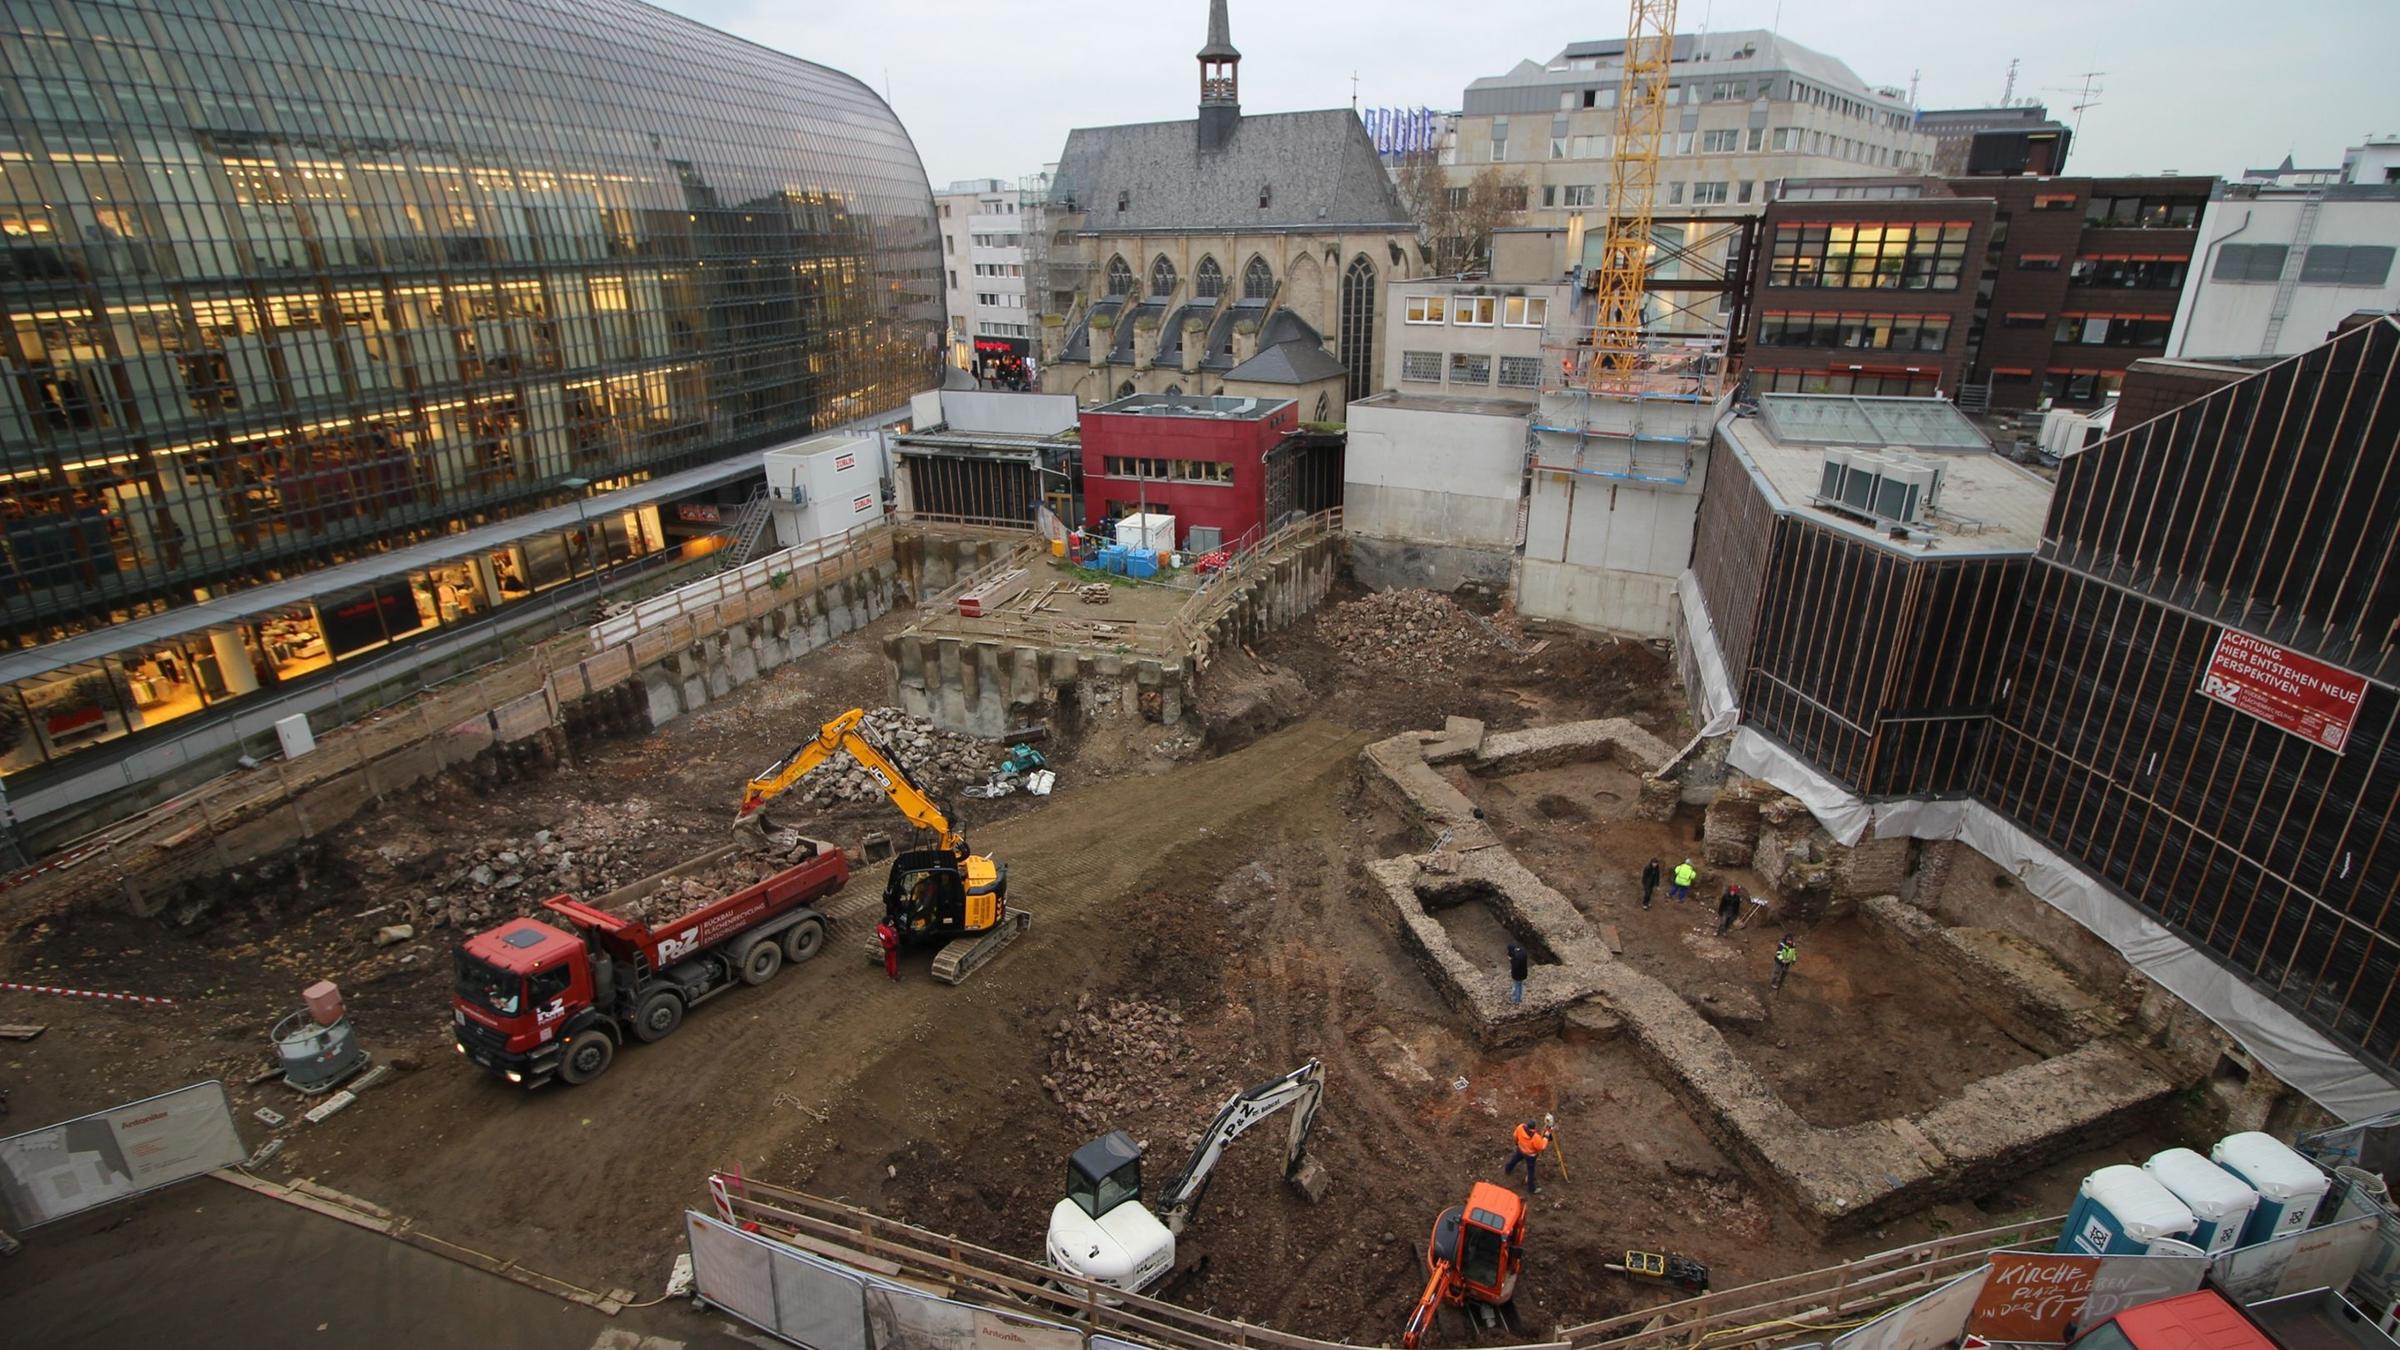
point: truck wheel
(805, 940)
(658, 1017)
(586, 1057)
(760, 963)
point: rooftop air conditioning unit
(1888, 489)
(1858, 485)
(1905, 490)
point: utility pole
(2008, 91)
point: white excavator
(1104, 1233)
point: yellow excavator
(946, 895)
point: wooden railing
(728, 596)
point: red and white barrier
(83, 993)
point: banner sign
(2283, 688)
(1934, 1322)
(1402, 131)
(697, 513)
(2044, 1298)
(109, 1155)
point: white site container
(1151, 533)
(2288, 1185)
(2217, 1198)
(293, 732)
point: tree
(1457, 222)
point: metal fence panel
(118, 1153)
(2321, 1258)
(731, 1269)
(1938, 1319)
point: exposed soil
(1198, 926)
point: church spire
(1220, 80)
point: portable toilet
(2216, 1197)
(2288, 1185)
(2121, 1211)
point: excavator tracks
(957, 960)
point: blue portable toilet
(2220, 1200)
(2121, 1211)
(2288, 1185)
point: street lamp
(583, 528)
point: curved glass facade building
(288, 282)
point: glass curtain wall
(283, 284)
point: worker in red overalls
(889, 938)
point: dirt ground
(1209, 882)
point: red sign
(844, 461)
(2279, 686)
(696, 513)
(862, 504)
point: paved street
(205, 1265)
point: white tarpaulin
(2321, 1258)
(1716, 684)
(2289, 1048)
(64, 1169)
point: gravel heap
(940, 762)
(1417, 632)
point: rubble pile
(1418, 631)
(940, 762)
(681, 895)
(1129, 1065)
(591, 852)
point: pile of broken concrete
(1129, 1065)
(938, 761)
(1418, 632)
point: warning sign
(2279, 686)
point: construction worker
(889, 938)
(1649, 882)
(1787, 954)
(1729, 909)
(1685, 875)
(1516, 973)
(1532, 1138)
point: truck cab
(521, 991)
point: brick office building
(1866, 286)
(1999, 292)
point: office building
(2000, 292)
(1747, 108)
(2288, 260)
(1241, 254)
(1976, 142)
(1226, 469)
(312, 305)
(986, 224)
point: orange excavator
(1472, 1258)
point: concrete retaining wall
(1397, 564)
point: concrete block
(1729, 832)
(1659, 798)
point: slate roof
(1296, 362)
(1321, 167)
(1220, 35)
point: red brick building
(1997, 292)
(1207, 461)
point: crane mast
(1624, 263)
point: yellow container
(1058, 548)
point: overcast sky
(990, 89)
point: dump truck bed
(652, 914)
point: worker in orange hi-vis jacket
(1532, 1138)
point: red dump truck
(533, 1001)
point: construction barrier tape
(83, 993)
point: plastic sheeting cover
(2289, 1048)
(1716, 686)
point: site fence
(1764, 1311)
(904, 1278)
(519, 693)
(736, 594)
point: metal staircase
(1975, 397)
(2303, 231)
(749, 527)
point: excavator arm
(842, 736)
(1429, 1303)
(1302, 1090)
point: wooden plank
(1614, 939)
(21, 1033)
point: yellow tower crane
(1624, 264)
